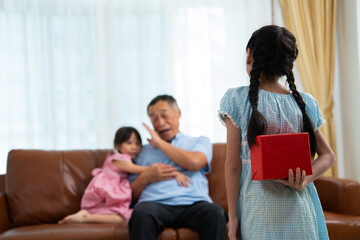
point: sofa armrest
(4, 216)
(339, 195)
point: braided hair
(274, 51)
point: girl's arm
(232, 176)
(128, 166)
(325, 159)
(155, 173)
(182, 179)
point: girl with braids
(280, 208)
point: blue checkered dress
(268, 209)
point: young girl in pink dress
(107, 198)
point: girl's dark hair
(274, 51)
(124, 133)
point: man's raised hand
(155, 140)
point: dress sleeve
(121, 157)
(228, 109)
(313, 111)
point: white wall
(347, 90)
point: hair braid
(257, 122)
(274, 51)
(306, 120)
(254, 88)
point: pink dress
(109, 191)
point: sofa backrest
(45, 186)
(2, 183)
(216, 177)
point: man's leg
(208, 219)
(149, 219)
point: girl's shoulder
(234, 105)
(235, 96)
(237, 92)
(309, 100)
(115, 155)
(313, 110)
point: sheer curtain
(73, 71)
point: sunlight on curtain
(72, 72)
(314, 25)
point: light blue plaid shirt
(169, 192)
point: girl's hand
(234, 229)
(161, 172)
(298, 183)
(182, 179)
(155, 140)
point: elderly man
(161, 201)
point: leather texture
(340, 200)
(216, 177)
(339, 195)
(2, 183)
(341, 226)
(42, 187)
(186, 233)
(4, 217)
(56, 179)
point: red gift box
(274, 155)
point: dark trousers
(149, 219)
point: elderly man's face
(165, 119)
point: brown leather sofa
(41, 187)
(340, 199)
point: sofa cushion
(52, 187)
(186, 233)
(77, 232)
(68, 232)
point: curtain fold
(314, 23)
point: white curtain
(73, 71)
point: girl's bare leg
(78, 217)
(84, 216)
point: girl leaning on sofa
(107, 198)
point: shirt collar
(177, 136)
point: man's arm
(155, 173)
(188, 160)
(193, 161)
